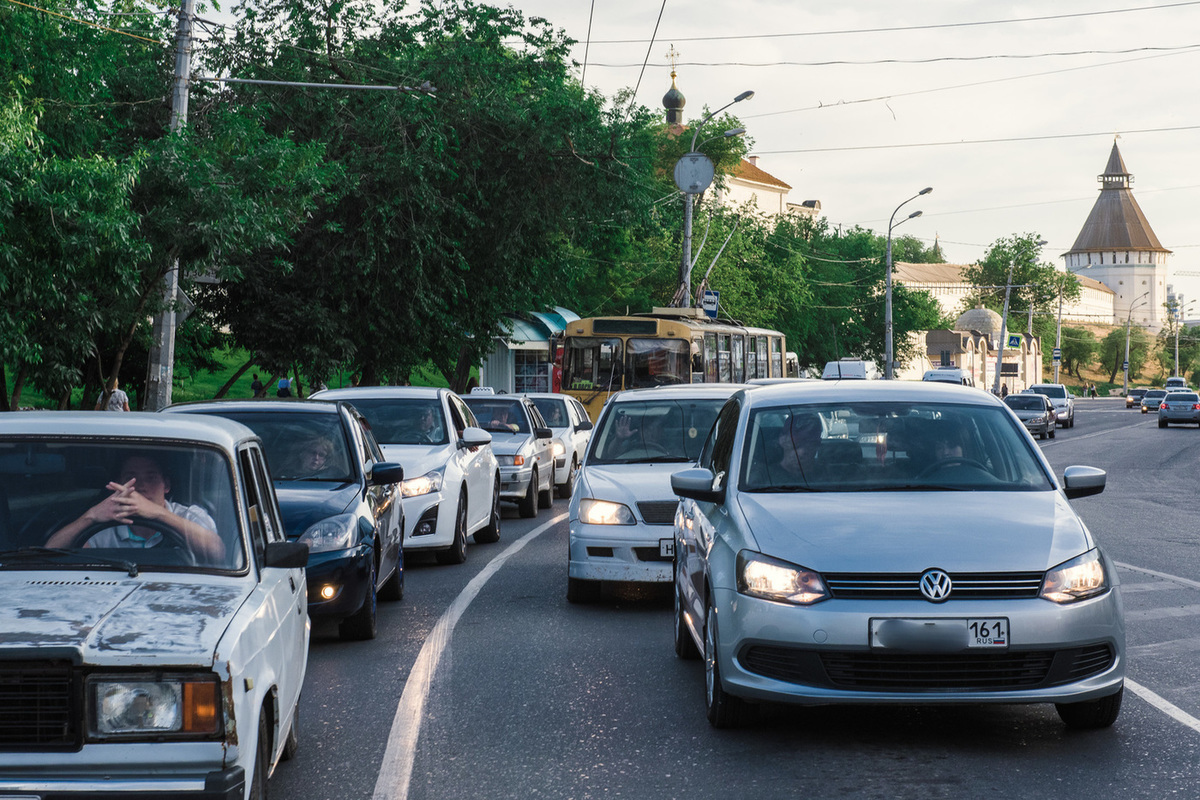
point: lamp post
(888, 349)
(693, 174)
(1178, 314)
(1004, 320)
(1058, 325)
(1128, 323)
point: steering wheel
(171, 539)
(945, 463)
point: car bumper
(514, 482)
(1039, 428)
(619, 552)
(823, 654)
(48, 777)
(347, 571)
(562, 470)
(437, 507)
(1179, 416)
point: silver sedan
(896, 543)
(1179, 407)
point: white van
(844, 370)
(949, 375)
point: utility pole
(161, 371)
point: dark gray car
(1035, 411)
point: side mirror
(474, 437)
(586, 425)
(286, 555)
(697, 484)
(543, 433)
(386, 472)
(1083, 481)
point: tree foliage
(1112, 352)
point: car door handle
(292, 583)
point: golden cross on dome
(673, 57)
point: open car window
(58, 506)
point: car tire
(568, 486)
(490, 533)
(723, 709)
(262, 760)
(527, 505)
(363, 624)
(1092, 714)
(1162, 423)
(685, 645)
(291, 745)
(582, 592)
(456, 553)
(1053, 430)
(546, 496)
(393, 590)
(1043, 435)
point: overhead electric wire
(903, 28)
(587, 44)
(653, 36)
(85, 22)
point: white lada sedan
(451, 489)
(622, 508)
(891, 542)
(153, 618)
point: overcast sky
(862, 137)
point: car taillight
(1196, 407)
(1163, 407)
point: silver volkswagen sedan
(889, 542)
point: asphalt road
(485, 683)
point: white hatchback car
(153, 618)
(623, 508)
(452, 481)
(567, 417)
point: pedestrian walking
(256, 386)
(117, 399)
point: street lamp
(694, 174)
(888, 350)
(1058, 326)
(1179, 308)
(1004, 320)
(1128, 323)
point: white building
(1118, 248)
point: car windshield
(1154, 394)
(553, 410)
(117, 505)
(301, 446)
(864, 447)
(1024, 403)
(654, 430)
(1057, 392)
(498, 415)
(404, 420)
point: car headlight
(1037, 419)
(1077, 579)
(425, 484)
(511, 461)
(123, 706)
(602, 512)
(773, 579)
(332, 533)
(556, 447)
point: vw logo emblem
(936, 585)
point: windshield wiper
(88, 560)
(790, 487)
(920, 487)
(657, 460)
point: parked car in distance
(1179, 407)
(1035, 411)
(159, 657)
(452, 480)
(623, 507)
(1152, 399)
(845, 369)
(522, 442)
(572, 428)
(956, 375)
(1176, 382)
(338, 494)
(1064, 401)
(1134, 398)
(813, 570)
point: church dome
(983, 320)
(673, 102)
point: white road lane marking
(395, 772)
(1162, 704)
(1165, 576)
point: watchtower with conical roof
(1118, 248)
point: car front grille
(914, 672)
(658, 512)
(906, 586)
(37, 706)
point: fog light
(328, 591)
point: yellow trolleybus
(602, 355)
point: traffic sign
(1014, 341)
(710, 301)
(1125, 367)
(1058, 354)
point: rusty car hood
(177, 620)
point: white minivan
(949, 375)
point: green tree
(1079, 348)
(1112, 352)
